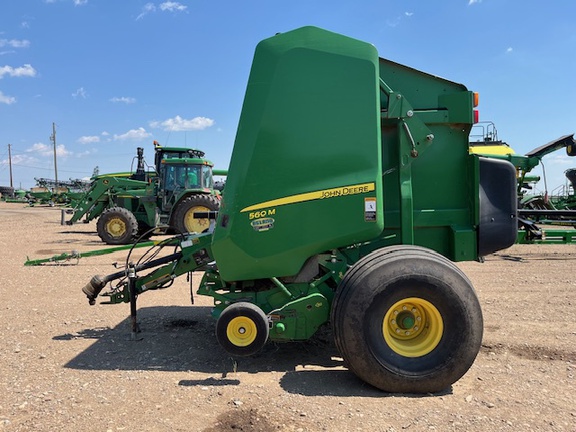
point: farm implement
(350, 194)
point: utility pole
(10, 164)
(53, 139)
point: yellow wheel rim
(196, 225)
(241, 331)
(412, 327)
(116, 227)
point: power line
(5, 166)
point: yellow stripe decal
(310, 196)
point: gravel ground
(68, 366)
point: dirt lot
(68, 366)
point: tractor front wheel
(117, 226)
(184, 221)
(407, 320)
(242, 329)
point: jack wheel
(242, 329)
(407, 320)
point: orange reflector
(476, 116)
(476, 97)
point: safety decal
(370, 209)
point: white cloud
(76, 2)
(167, 6)
(393, 22)
(38, 148)
(148, 8)
(133, 134)
(25, 70)
(61, 150)
(85, 153)
(14, 43)
(79, 93)
(172, 6)
(21, 159)
(560, 160)
(509, 50)
(471, 2)
(5, 99)
(178, 124)
(408, 14)
(123, 99)
(41, 149)
(88, 139)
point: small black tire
(183, 220)
(242, 329)
(407, 320)
(7, 191)
(117, 226)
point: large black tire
(183, 220)
(242, 329)
(117, 226)
(407, 320)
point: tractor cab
(163, 152)
(181, 176)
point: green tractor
(350, 193)
(131, 206)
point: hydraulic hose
(97, 283)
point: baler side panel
(444, 194)
(305, 175)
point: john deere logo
(262, 224)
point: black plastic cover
(498, 227)
(571, 176)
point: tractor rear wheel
(242, 329)
(117, 226)
(407, 320)
(184, 221)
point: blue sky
(114, 75)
